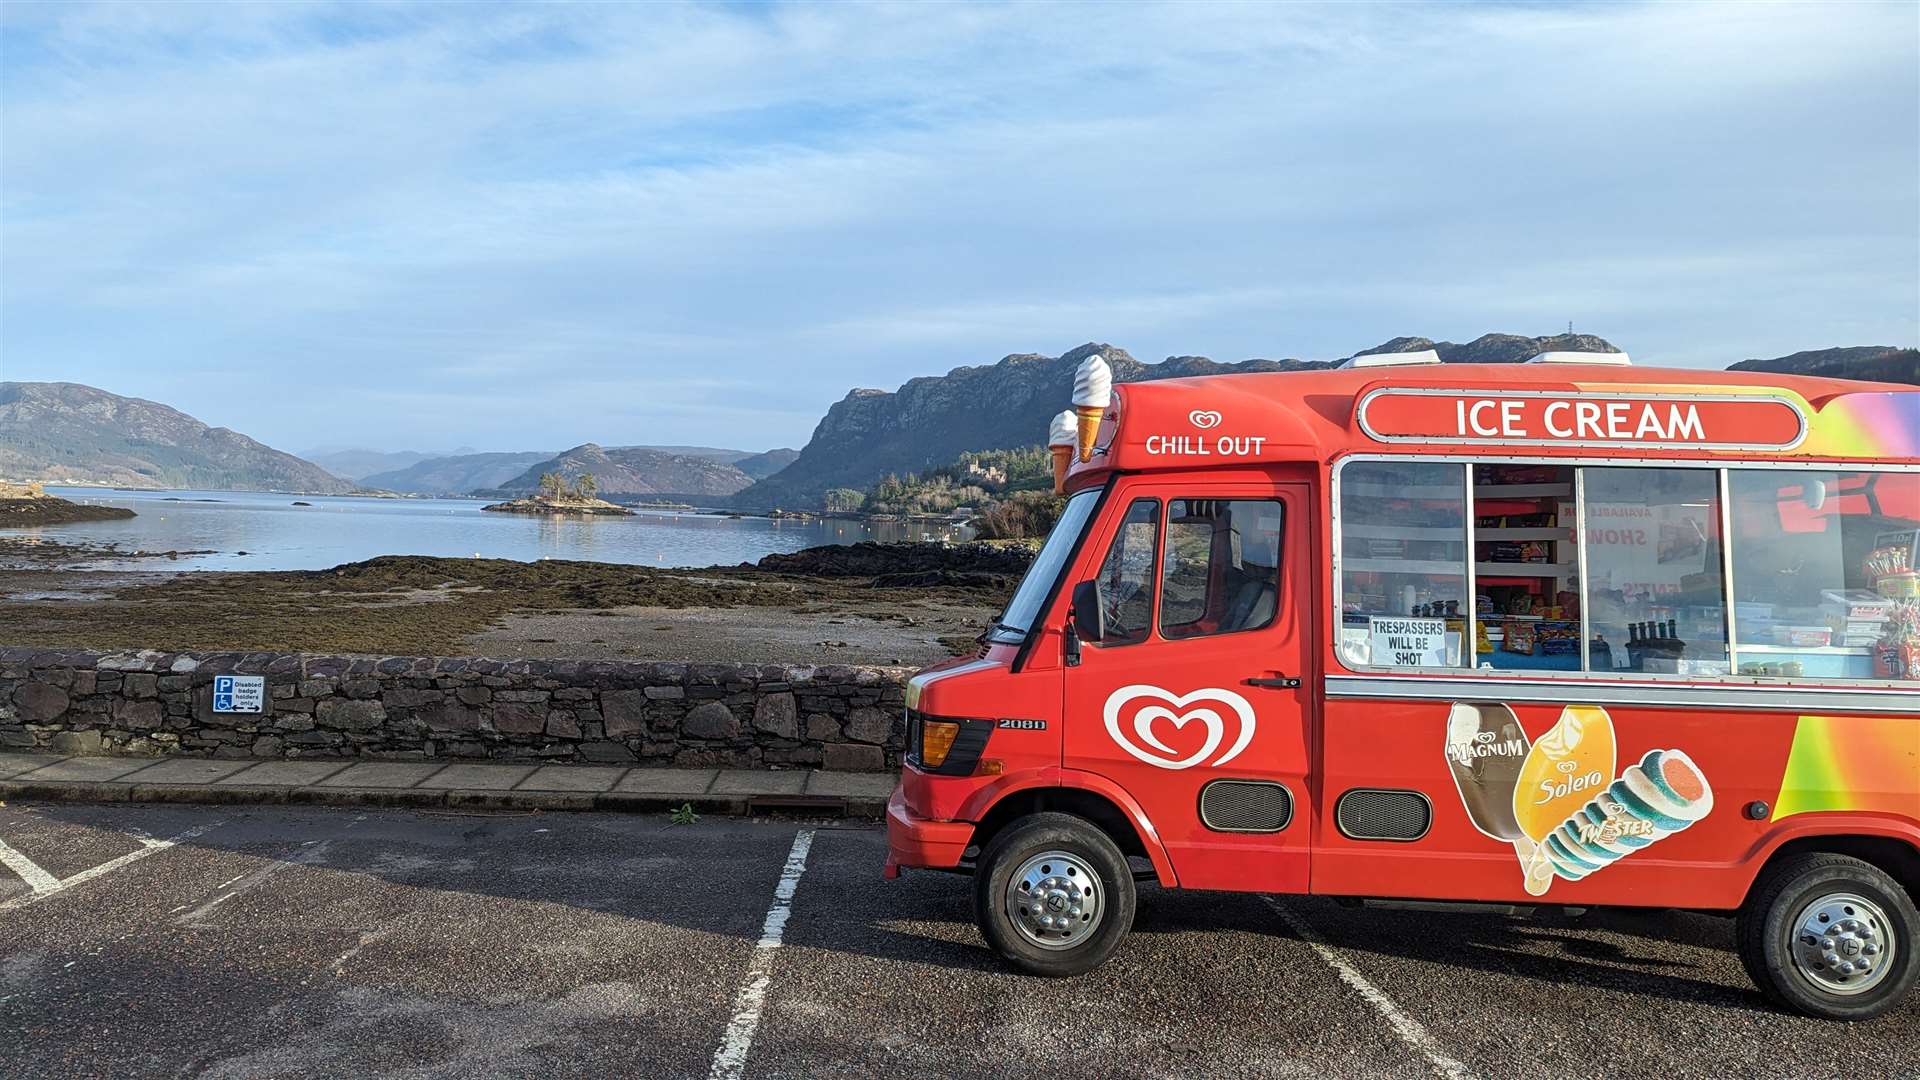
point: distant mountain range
(1877, 363)
(356, 463)
(929, 422)
(69, 433)
(66, 432)
(501, 473)
(455, 475)
(761, 466)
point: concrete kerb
(793, 792)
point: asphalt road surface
(179, 941)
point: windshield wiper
(1018, 631)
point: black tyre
(1829, 936)
(1053, 894)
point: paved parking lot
(182, 941)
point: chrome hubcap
(1055, 900)
(1843, 943)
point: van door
(1193, 697)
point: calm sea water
(274, 534)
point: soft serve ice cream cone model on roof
(1092, 393)
(1060, 443)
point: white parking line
(148, 846)
(1411, 1031)
(37, 879)
(730, 1060)
(196, 919)
(367, 938)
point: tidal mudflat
(413, 605)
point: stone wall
(418, 708)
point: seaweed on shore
(50, 510)
(418, 605)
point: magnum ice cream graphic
(1552, 800)
(1485, 748)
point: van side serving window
(1656, 595)
(1403, 544)
(1221, 570)
(1824, 573)
(1126, 576)
(1692, 571)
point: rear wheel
(1053, 894)
(1830, 936)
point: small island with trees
(559, 495)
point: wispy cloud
(703, 224)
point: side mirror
(1089, 614)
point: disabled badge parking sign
(239, 693)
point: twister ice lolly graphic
(1092, 393)
(1663, 794)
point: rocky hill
(627, 471)
(1496, 348)
(458, 474)
(761, 466)
(1879, 363)
(69, 433)
(931, 421)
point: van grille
(1245, 806)
(1379, 814)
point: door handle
(1277, 682)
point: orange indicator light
(936, 739)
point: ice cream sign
(1580, 418)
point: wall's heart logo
(1204, 418)
(1178, 711)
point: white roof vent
(1391, 359)
(1611, 359)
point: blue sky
(509, 227)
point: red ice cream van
(1563, 633)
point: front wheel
(1053, 895)
(1830, 936)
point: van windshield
(1012, 626)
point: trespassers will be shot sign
(1575, 418)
